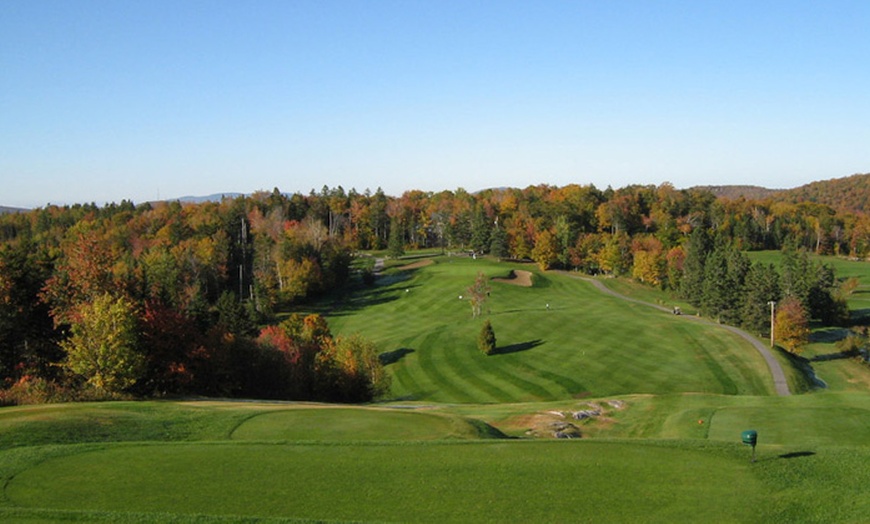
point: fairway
(560, 338)
(480, 482)
(219, 461)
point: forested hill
(847, 194)
(735, 192)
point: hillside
(850, 194)
(735, 192)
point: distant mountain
(5, 209)
(735, 192)
(217, 197)
(851, 193)
(848, 194)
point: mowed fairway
(246, 462)
(583, 344)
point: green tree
(762, 287)
(486, 339)
(396, 245)
(103, 346)
(499, 243)
(692, 280)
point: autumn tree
(791, 325)
(478, 293)
(545, 253)
(361, 376)
(648, 263)
(103, 348)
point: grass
(669, 472)
(583, 344)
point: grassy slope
(584, 344)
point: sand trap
(517, 278)
(416, 265)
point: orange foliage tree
(791, 325)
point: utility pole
(772, 320)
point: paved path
(779, 381)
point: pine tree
(692, 281)
(762, 288)
(486, 339)
(396, 246)
(498, 246)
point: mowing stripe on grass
(448, 391)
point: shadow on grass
(797, 454)
(834, 356)
(516, 348)
(859, 317)
(828, 335)
(371, 297)
(391, 357)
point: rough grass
(583, 344)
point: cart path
(779, 381)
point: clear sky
(106, 100)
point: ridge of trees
(849, 194)
(199, 278)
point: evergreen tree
(480, 231)
(498, 246)
(762, 287)
(486, 339)
(396, 246)
(692, 281)
(715, 295)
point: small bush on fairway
(486, 339)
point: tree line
(185, 289)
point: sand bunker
(517, 278)
(416, 265)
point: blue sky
(101, 101)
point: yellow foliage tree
(791, 327)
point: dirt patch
(416, 265)
(517, 277)
(583, 420)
